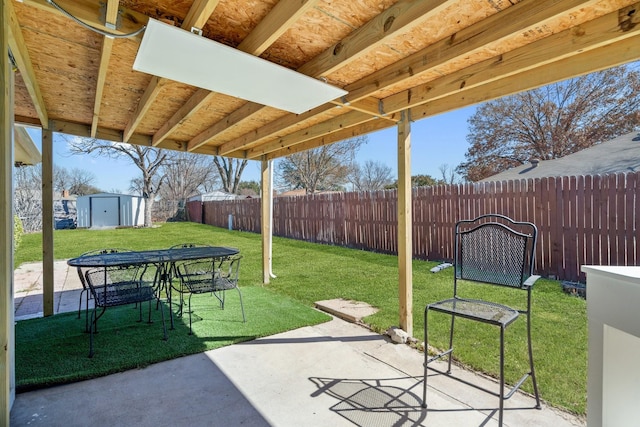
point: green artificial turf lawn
(54, 350)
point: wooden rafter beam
(89, 11)
(277, 22)
(350, 119)
(267, 131)
(607, 56)
(623, 51)
(401, 17)
(107, 45)
(198, 14)
(508, 23)
(372, 125)
(23, 61)
(590, 35)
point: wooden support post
(405, 222)
(266, 203)
(7, 343)
(47, 221)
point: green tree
(552, 121)
(249, 188)
(417, 181)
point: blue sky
(434, 141)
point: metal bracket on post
(197, 31)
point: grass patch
(310, 272)
(52, 351)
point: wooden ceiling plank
(499, 26)
(193, 104)
(607, 56)
(575, 41)
(89, 11)
(401, 17)
(327, 127)
(105, 55)
(199, 14)
(233, 118)
(23, 61)
(200, 11)
(505, 24)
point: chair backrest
(82, 271)
(495, 249)
(229, 268)
(117, 285)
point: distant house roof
(301, 192)
(215, 195)
(621, 154)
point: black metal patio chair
(173, 273)
(210, 275)
(119, 285)
(85, 288)
(491, 249)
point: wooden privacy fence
(591, 220)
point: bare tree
(371, 176)
(230, 171)
(61, 178)
(552, 121)
(323, 168)
(448, 174)
(27, 196)
(81, 182)
(185, 174)
(147, 159)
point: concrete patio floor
(334, 374)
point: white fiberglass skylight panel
(173, 53)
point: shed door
(105, 212)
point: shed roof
(423, 57)
(621, 154)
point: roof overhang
(25, 151)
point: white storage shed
(110, 210)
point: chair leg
(426, 358)
(501, 375)
(92, 326)
(453, 319)
(164, 325)
(80, 302)
(190, 331)
(244, 319)
(86, 312)
(531, 368)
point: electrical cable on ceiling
(92, 28)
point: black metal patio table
(162, 258)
